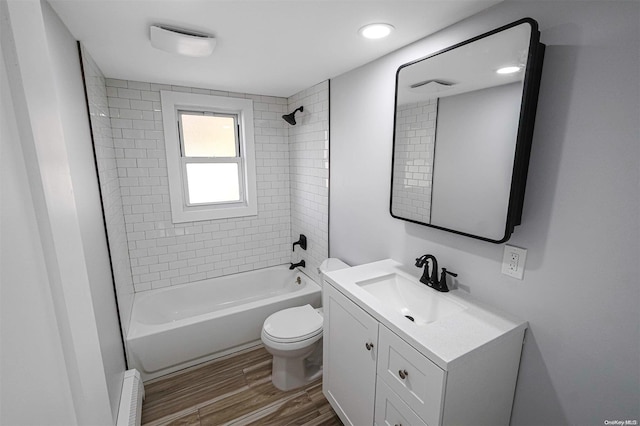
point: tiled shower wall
(163, 253)
(109, 186)
(413, 160)
(309, 151)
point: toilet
(294, 337)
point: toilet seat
(293, 324)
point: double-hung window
(210, 158)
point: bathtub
(176, 327)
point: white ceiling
(263, 46)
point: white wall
(31, 355)
(67, 73)
(46, 88)
(581, 290)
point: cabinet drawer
(391, 410)
(416, 380)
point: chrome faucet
(430, 277)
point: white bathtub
(176, 327)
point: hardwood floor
(235, 390)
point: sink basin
(414, 300)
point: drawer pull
(398, 424)
(403, 374)
(369, 346)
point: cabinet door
(349, 364)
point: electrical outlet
(513, 261)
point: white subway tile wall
(109, 187)
(413, 160)
(309, 148)
(163, 253)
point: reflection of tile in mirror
(413, 161)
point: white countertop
(446, 341)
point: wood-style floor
(235, 390)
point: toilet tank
(328, 265)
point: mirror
(462, 133)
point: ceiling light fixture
(376, 31)
(508, 70)
(182, 42)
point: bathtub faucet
(295, 265)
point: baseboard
(130, 410)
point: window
(210, 158)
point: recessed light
(508, 70)
(376, 31)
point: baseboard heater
(130, 411)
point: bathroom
(61, 343)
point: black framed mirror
(463, 125)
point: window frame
(184, 159)
(174, 103)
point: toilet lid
(293, 324)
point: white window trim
(180, 212)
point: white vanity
(399, 353)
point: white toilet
(294, 337)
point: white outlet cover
(513, 261)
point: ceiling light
(182, 42)
(508, 70)
(375, 31)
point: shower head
(291, 118)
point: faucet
(430, 278)
(295, 265)
(302, 242)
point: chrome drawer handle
(403, 374)
(369, 346)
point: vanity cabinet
(352, 349)
(372, 375)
